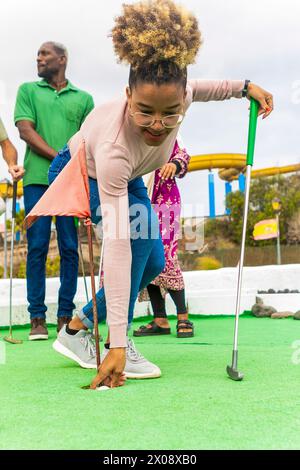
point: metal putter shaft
(77, 224)
(232, 370)
(95, 313)
(10, 338)
(96, 333)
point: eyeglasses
(146, 120)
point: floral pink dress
(166, 202)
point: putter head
(234, 374)
(10, 339)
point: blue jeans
(38, 237)
(148, 259)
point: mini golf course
(192, 406)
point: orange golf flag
(69, 194)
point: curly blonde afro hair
(153, 32)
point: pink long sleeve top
(117, 154)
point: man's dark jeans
(38, 237)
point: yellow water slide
(218, 160)
(231, 165)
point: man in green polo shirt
(47, 113)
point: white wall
(207, 292)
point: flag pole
(88, 224)
(77, 225)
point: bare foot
(162, 322)
(76, 324)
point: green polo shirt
(57, 116)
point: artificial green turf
(192, 406)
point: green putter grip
(254, 106)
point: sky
(257, 40)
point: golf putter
(10, 338)
(77, 225)
(100, 387)
(232, 370)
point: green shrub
(21, 273)
(217, 228)
(53, 267)
(207, 263)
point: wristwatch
(245, 89)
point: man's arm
(218, 90)
(10, 155)
(34, 140)
(25, 120)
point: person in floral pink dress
(166, 201)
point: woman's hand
(264, 98)
(168, 171)
(111, 371)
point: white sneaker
(80, 348)
(137, 366)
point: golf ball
(102, 388)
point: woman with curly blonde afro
(126, 139)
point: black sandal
(155, 330)
(185, 325)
